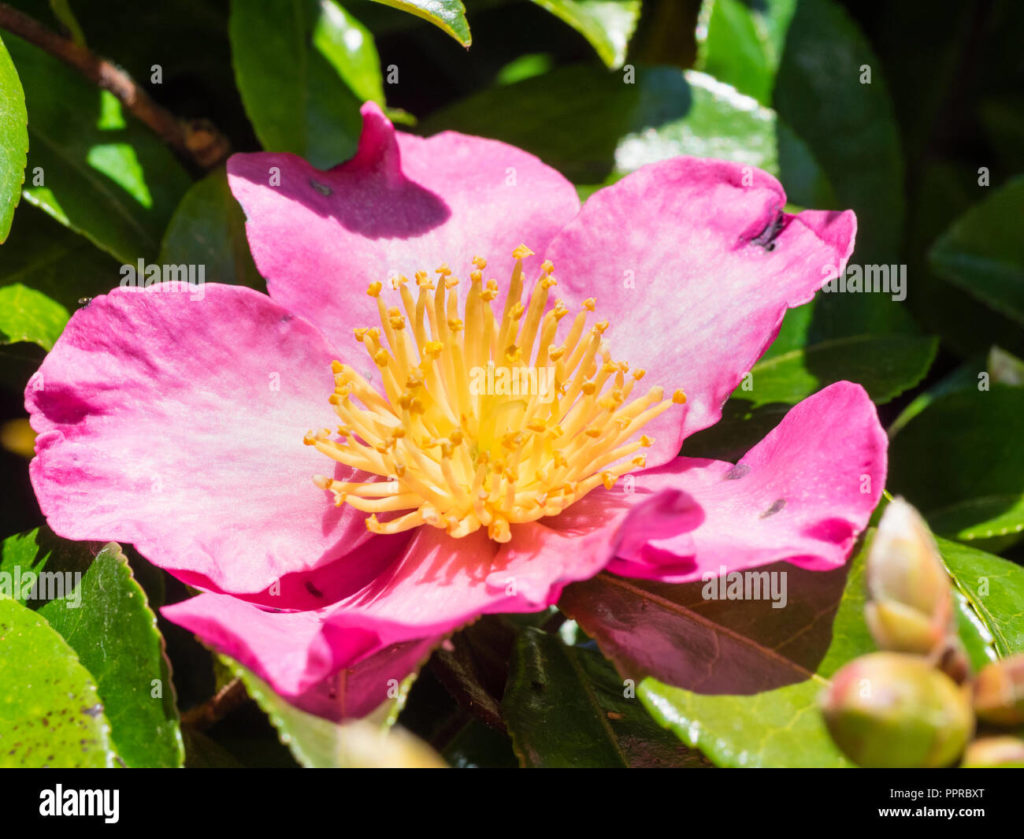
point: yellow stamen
(482, 421)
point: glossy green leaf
(741, 43)
(294, 62)
(750, 675)
(886, 365)
(29, 315)
(101, 611)
(50, 711)
(983, 252)
(994, 588)
(965, 377)
(566, 707)
(595, 126)
(319, 743)
(45, 256)
(606, 24)
(208, 229)
(13, 140)
(447, 15)
(349, 47)
(961, 463)
(91, 167)
(849, 125)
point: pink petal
(801, 495)
(176, 424)
(678, 257)
(402, 204)
(438, 585)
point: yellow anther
(679, 397)
(461, 431)
(521, 252)
(547, 266)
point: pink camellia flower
(359, 463)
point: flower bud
(911, 608)
(999, 692)
(895, 710)
(995, 753)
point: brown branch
(218, 706)
(197, 141)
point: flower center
(483, 422)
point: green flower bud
(995, 752)
(911, 608)
(895, 710)
(999, 692)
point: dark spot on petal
(777, 505)
(94, 711)
(323, 189)
(738, 471)
(766, 238)
(312, 589)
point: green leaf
(565, 707)
(994, 587)
(594, 127)
(961, 463)
(101, 611)
(44, 256)
(92, 168)
(319, 743)
(606, 24)
(28, 315)
(349, 47)
(964, 377)
(744, 682)
(13, 140)
(294, 62)
(886, 365)
(208, 229)
(50, 711)
(983, 252)
(742, 44)
(849, 126)
(448, 15)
